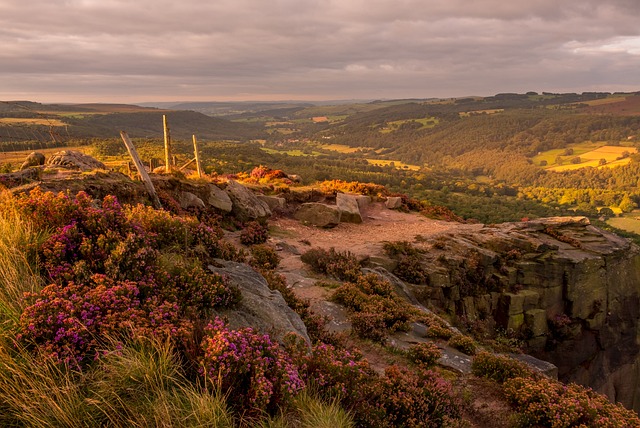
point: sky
(221, 50)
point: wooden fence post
(148, 184)
(195, 149)
(167, 144)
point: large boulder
(246, 206)
(75, 160)
(393, 202)
(219, 199)
(274, 202)
(317, 214)
(34, 159)
(189, 200)
(349, 208)
(260, 307)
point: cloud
(119, 50)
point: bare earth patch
(380, 225)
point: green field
(341, 148)
(426, 122)
(590, 154)
(295, 152)
(630, 222)
(396, 163)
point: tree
(603, 161)
(626, 204)
(606, 212)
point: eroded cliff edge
(569, 289)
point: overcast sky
(159, 50)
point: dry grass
(17, 275)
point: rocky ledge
(569, 289)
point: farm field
(490, 111)
(289, 152)
(340, 148)
(590, 154)
(31, 121)
(396, 163)
(426, 122)
(630, 222)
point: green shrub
(499, 368)
(377, 309)
(264, 257)
(425, 354)
(342, 266)
(463, 344)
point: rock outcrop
(219, 199)
(349, 208)
(317, 214)
(34, 159)
(260, 308)
(75, 160)
(571, 290)
(246, 206)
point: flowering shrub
(415, 399)
(425, 354)
(463, 344)
(67, 322)
(499, 368)
(440, 212)
(252, 369)
(108, 277)
(49, 211)
(337, 373)
(377, 309)
(335, 186)
(548, 403)
(254, 233)
(263, 174)
(400, 398)
(342, 266)
(264, 257)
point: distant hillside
(25, 120)
(182, 124)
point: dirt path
(380, 224)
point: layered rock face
(569, 289)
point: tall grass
(17, 275)
(311, 412)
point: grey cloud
(309, 48)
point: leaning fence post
(143, 172)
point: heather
(109, 274)
(543, 402)
(376, 309)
